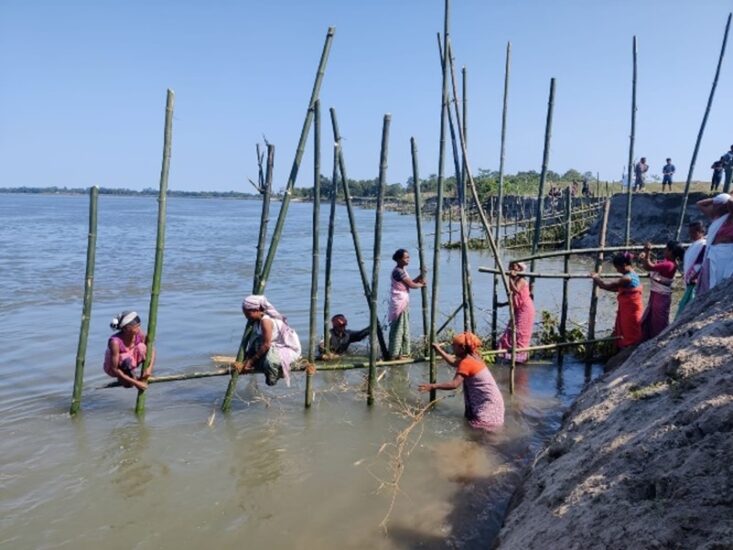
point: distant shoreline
(128, 192)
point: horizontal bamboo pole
(560, 253)
(541, 275)
(492, 352)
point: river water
(269, 474)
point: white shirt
(691, 254)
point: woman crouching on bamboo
(126, 351)
(274, 345)
(399, 305)
(484, 403)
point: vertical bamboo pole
(352, 224)
(543, 177)
(702, 130)
(439, 205)
(420, 240)
(632, 136)
(159, 245)
(266, 192)
(494, 251)
(500, 201)
(594, 289)
(598, 185)
(329, 253)
(467, 281)
(566, 268)
(280, 223)
(313, 331)
(373, 318)
(86, 315)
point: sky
(83, 85)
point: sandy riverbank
(643, 458)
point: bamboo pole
(467, 282)
(566, 267)
(500, 201)
(352, 225)
(86, 315)
(420, 240)
(543, 176)
(554, 275)
(373, 318)
(683, 208)
(450, 318)
(460, 186)
(280, 223)
(575, 251)
(632, 136)
(329, 253)
(159, 246)
(495, 252)
(594, 290)
(439, 205)
(266, 192)
(315, 227)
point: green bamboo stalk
(500, 201)
(266, 192)
(632, 137)
(467, 282)
(420, 240)
(373, 318)
(352, 224)
(329, 253)
(159, 246)
(280, 223)
(86, 315)
(683, 208)
(495, 252)
(450, 318)
(553, 275)
(543, 176)
(594, 289)
(313, 332)
(439, 205)
(578, 251)
(566, 266)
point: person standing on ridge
(640, 171)
(717, 168)
(728, 167)
(667, 172)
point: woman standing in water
(275, 345)
(484, 403)
(126, 351)
(399, 302)
(524, 313)
(630, 304)
(656, 315)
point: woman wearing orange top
(630, 303)
(484, 403)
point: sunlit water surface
(269, 474)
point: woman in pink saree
(656, 315)
(399, 302)
(523, 313)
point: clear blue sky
(82, 85)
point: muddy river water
(269, 474)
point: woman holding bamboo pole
(126, 351)
(524, 313)
(399, 304)
(630, 305)
(662, 272)
(484, 402)
(275, 345)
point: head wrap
(468, 340)
(722, 198)
(123, 319)
(258, 301)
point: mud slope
(645, 455)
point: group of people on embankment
(706, 262)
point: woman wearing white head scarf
(275, 345)
(126, 351)
(717, 263)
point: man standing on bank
(667, 172)
(728, 167)
(640, 171)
